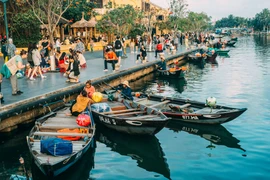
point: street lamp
(5, 16)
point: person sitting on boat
(89, 89)
(82, 102)
(162, 65)
(125, 90)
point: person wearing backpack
(118, 49)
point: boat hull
(133, 127)
(205, 118)
(167, 74)
(55, 170)
(201, 114)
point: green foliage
(233, 21)
(118, 21)
(25, 29)
(74, 12)
(262, 20)
(193, 22)
(137, 30)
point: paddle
(116, 90)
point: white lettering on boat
(190, 130)
(107, 120)
(190, 117)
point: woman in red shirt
(89, 88)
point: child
(28, 70)
(1, 95)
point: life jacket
(70, 138)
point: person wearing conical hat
(125, 90)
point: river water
(235, 150)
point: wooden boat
(200, 61)
(234, 39)
(230, 43)
(191, 111)
(216, 134)
(172, 73)
(80, 170)
(47, 127)
(132, 118)
(146, 151)
(222, 51)
(212, 58)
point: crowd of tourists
(41, 58)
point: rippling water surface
(236, 150)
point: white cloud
(222, 8)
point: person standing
(37, 60)
(4, 50)
(10, 69)
(158, 48)
(132, 45)
(58, 45)
(92, 45)
(118, 45)
(79, 45)
(11, 49)
(1, 95)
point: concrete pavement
(55, 81)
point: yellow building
(152, 11)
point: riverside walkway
(55, 81)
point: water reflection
(146, 151)
(216, 134)
(80, 170)
(11, 149)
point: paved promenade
(55, 81)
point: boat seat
(60, 134)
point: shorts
(118, 53)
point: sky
(218, 9)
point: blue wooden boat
(47, 127)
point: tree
(178, 10)
(198, 21)
(74, 12)
(118, 21)
(262, 20)
(25, 28)
(49, 12)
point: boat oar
(117, 90)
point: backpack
(29, 57)
(118, 44)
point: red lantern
(83, 120)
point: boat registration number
(107, 120)
(190, 117)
